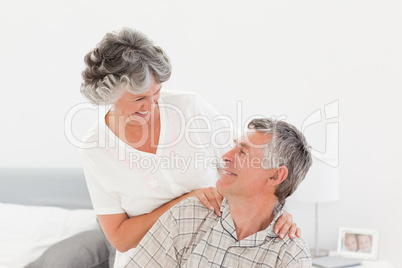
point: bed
(39, 208)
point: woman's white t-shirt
(121, 179)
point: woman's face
(138, 109)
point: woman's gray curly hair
(288, 147)
(126, 60)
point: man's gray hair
(288, 147)
(126, 60)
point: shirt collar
(226, 219)
(253, 240)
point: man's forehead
(254, 138)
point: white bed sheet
(27, 231)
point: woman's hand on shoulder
(285, 224)
(210, 197)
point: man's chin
(222, 185)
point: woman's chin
(135, 120)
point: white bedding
(27, 231)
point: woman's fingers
(285, 228)
(298, 230)
(215, 199)
(210, 198)
(292, 231)
(280, 222)
(285, 224)
(204, 200)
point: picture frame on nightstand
(358, 243)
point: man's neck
(251, 216)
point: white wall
(279, 58)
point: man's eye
(139, 99)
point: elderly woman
(148, 154)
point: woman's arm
(125, 233)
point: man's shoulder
(191, 205)
(297, 244)
(295, 249)
(191, 209)
(190, 201)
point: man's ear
(280, 175)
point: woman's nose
(148, 105)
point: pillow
(27, 231)
(85, 249)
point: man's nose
(228, 157)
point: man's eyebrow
(244, 145)
(241, 144)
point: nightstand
(372, 264)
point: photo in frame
(358, 243)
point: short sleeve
(304, 263)
(300, 263)
(103, 202)
(297, 254)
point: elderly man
(266, 165)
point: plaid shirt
(190, 235)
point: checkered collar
(253, 240)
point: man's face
(243, 173)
